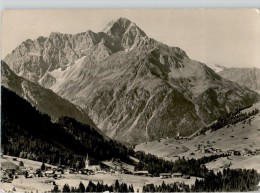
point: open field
(247, 162)
(235, 137)
(33, 184)
(38, 183)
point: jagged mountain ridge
(133, 87)
(32, 59)
(249, 77)
(43, 99)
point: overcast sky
(226, 37)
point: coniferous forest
(63, 142)
(228, 181)
(231, 119)
(193, 167)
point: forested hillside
(28, 133)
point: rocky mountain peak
(124, 32)
(120, 22)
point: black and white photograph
(130, 100)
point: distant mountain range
(133, 88)
(249, 77)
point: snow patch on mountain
(216, 67)
(61, 75)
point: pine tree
(81, 187)
(66, 188)
(55, 189)
(117, 186)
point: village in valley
(20, 174)
(25, 175)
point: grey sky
(228, 37)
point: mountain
(43, 99)
(134, 88)
(29, 133)
(249, 77)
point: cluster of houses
(173, 175)
(10, 171)
(244, 152)
(208, 148)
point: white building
(91, 167)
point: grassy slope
(168, 148)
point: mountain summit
(133, 87)
(124, 32)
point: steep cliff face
(133, 87)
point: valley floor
(38, 183)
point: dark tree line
(173, 187)
(230, 119)
(229, 181)
(92, 187)
(28, 133)
(156, 165)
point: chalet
(142, 173)
(236, 152)
(6, 179)
(177, 175)
(30, 175)
(101, 172)
(49, 173)
(233, 152)
(186, 176)
(107, 166)
(208, 150)
(165, 175)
